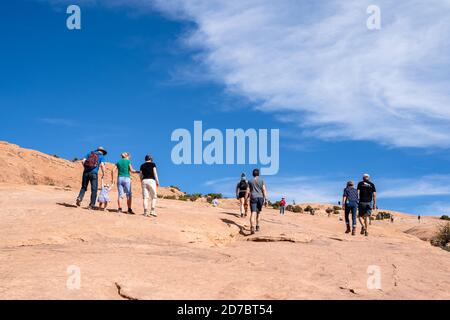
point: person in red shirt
(282, 206)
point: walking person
(92, 163)
(418, 218)
(350, 202)
(258, 196)
(242, 194)
(282, 206)
(103, 199)
(150, 184)
(124, 170)
(367, 201)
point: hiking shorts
(256, 204)
(242, 194)
(149, 189)
(124, 187)
(365, 209)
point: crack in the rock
(124, 296)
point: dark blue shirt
(351, 194)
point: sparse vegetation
(275, 205)
(445, 217)
(75, 160)
(330, 210)
(175, 188)
(336, 208)
(297, 209)
(383, 215)
(308, 209)
(214, 195)
(442, 237)
(56, 156)
(170, 197)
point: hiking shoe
(153, 213)
(348, 229)
(119, 210)
(242, 215)
(363, 231)
(366, 233)
(145, 213)
(90, 208)
(252, 230)
(78, 203)
(258, 228)
(130, 211)
(354, 231)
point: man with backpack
(242, 194)
(92, 163)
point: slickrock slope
(195, 251)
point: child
(103, 199)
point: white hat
(366, 175)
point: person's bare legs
(119, 203)
(257, 219)
(366, 217)
(242, 202)
(252, 228)
(129, 202)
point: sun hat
(102, 150)
(366, 175)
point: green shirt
(124, 168)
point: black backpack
(243, 185)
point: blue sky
(347, 100)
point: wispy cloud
(432, 185)
(59, 122)
(319, 62)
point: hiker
(282, 206)
(242, 194)
(215, 203)
(150, 184)
(124, 170)
(418, 217)
(350, 204)
(92, 163)
(392, 218)
(103, 199)
(258, 196)
(367, 201)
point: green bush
(445, 217)
(170, 197)
(330, 210)
(442, 237)
(308, 209)
(383, 215)
(214, 195)
(275, 205)
(297, 209)
(175, 187)
(337, 208)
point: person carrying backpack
(242, 195)
(282, 206)
(92, 163)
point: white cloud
(319, 63)
(432, 185)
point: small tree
(445, 217)
(297, 209)
(308, 209)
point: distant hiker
(242, 194)
(124, 170)
(215, 203)
(367, 201)
(92, 163)
(258, 197)
(392, 218)
(418, 218)
(282, 206)
(350, 202)
(150, 184)
(103, 199)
